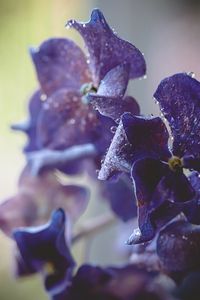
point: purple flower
(45, 247)
(83, 97)
(140, 146)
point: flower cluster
(81, 120)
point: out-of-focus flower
(125, 283)
(178, 247)
(44, 249)
(37, 197)
(140, 146)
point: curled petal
(118, 157)
(59, 64)
(114, 107)
(40, 247)
(179, 100)
(106, 49)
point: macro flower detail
(81, 100)
(141, 145)
(43, 248)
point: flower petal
(148, 136)
(47, 245)
(179, 100)
(29, 127)
(178, 246)
(106, 49)
(120, 195)
(60, 63)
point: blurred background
(166, 31)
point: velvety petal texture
(42, 247)
(106, 49)
(179, 100)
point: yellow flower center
(175, 163)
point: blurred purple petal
(34, 108)
(37, 197)
(65, 121)
(179, 100)
(60, 63)
(41, 246)
(106, 49)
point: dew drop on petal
(113, 129)
(191, 74)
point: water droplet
(43, 97)
(191, 74)
(84, 25)
(113, 129)
(145, 76)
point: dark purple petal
(29, 127)
(42, 246)
(151, 221)
(148, 136)
(120, 195)
(179, 100)
(178, 246)
(106, 49)
(190, 162)
(59, 64)
(147, 174)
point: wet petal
(39, 247)
(148, 136)
(119, 155)
(114, 107)
(179, 100)
(178, 246)
(60, 63)
(106, 49)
